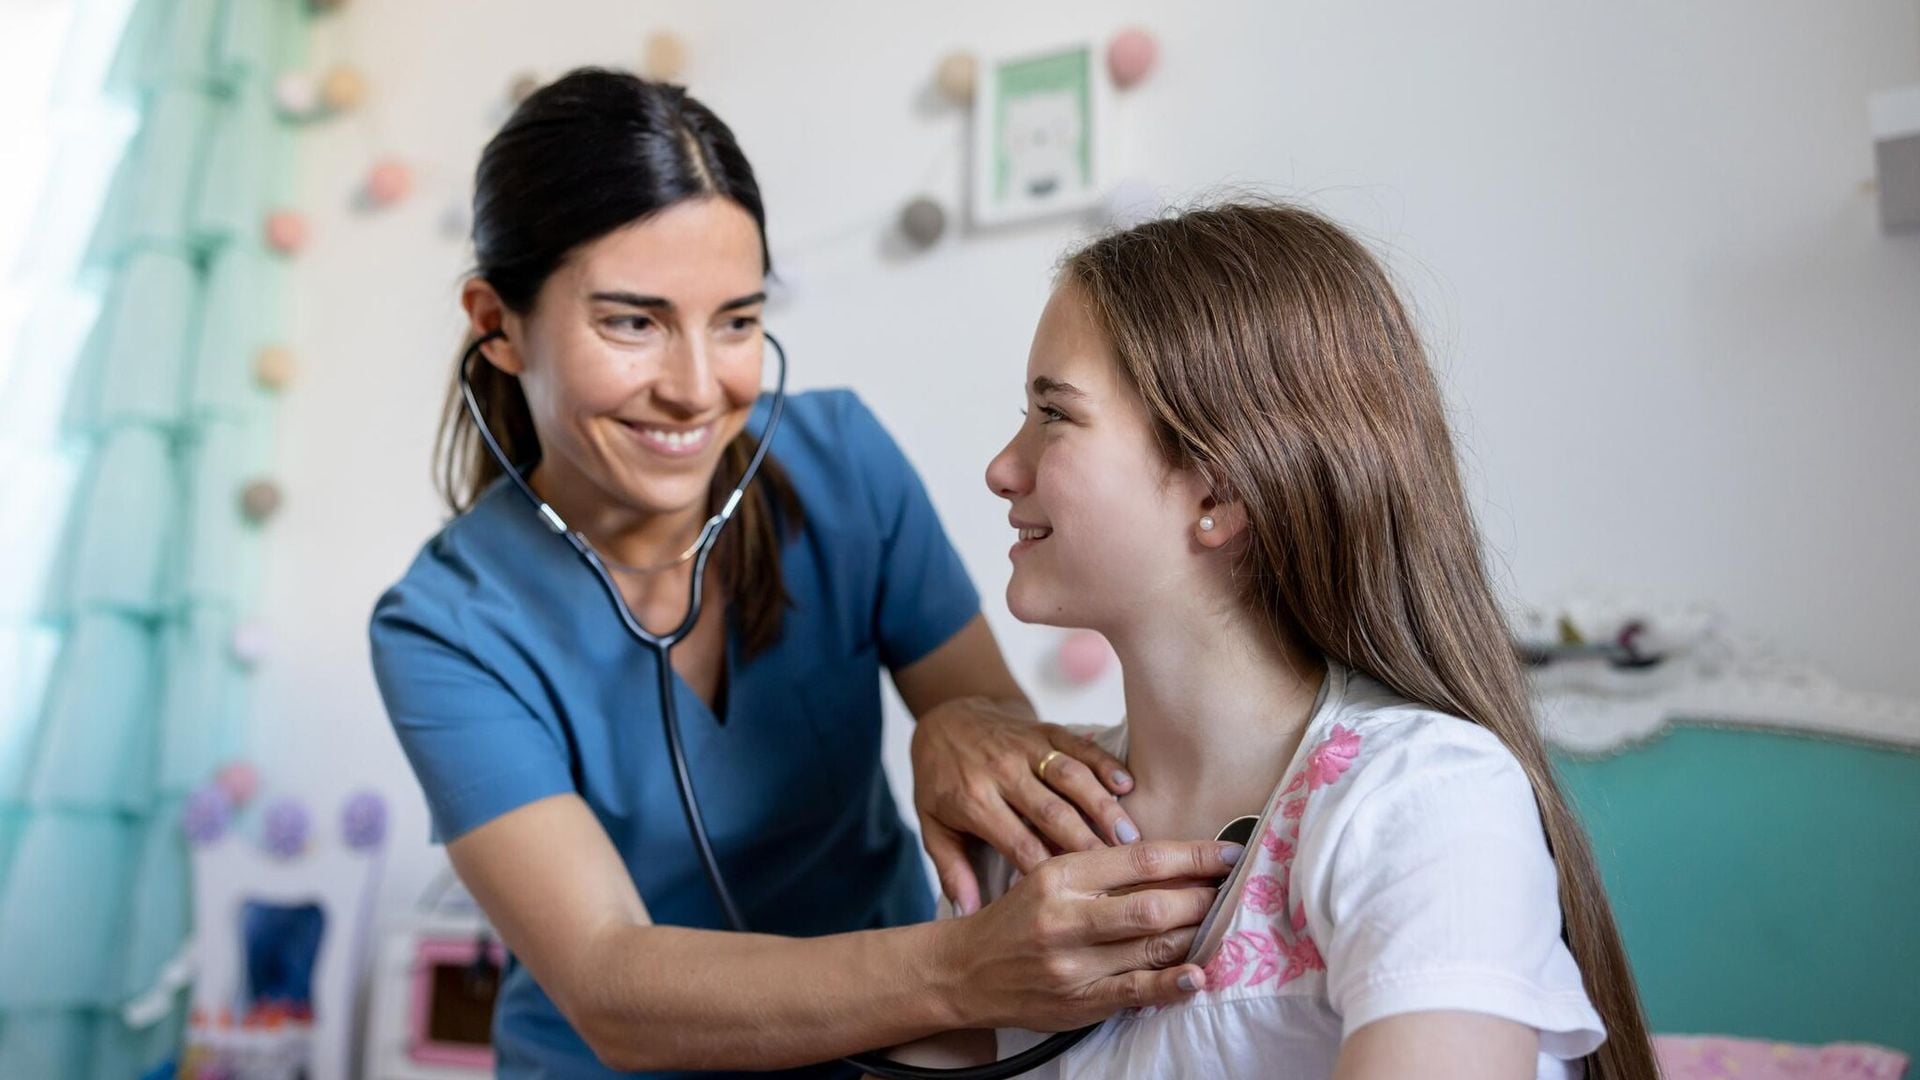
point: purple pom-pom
(286, 828)
(364, 821)
(205, 815)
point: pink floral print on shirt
(1266, 894)
(1332, 758)
(1282, 950)
(1278, 847)
(1227, 965)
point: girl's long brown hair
(1276, 360)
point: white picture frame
(1039, 135)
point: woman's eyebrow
(632, 299)
(745, 301)
(1045, 385)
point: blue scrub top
(498, 642)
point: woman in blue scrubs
(621, 263)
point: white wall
(1686, 364)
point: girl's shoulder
(1373, 740)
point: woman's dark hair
(586, 155)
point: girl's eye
(1049, 414)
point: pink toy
(1083, 657)
(1130, 56)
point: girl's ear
(488, 314)
(1219, 523)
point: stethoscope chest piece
(1239, 830)
(1206, 940)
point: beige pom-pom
(666, 57)
(956, 77)
(343, 89)
(273, 367)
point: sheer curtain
(144, 154)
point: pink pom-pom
(388, 183)
(239, 780)
(286, 231)
(1130, 56)
(1083, 657)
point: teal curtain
(125, 695)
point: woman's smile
(671, 442)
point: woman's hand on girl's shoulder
(977, 772)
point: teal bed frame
(1766, 880)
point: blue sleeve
(925, 595)
(476, 748)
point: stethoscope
(661, 644)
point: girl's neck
(1216, 708)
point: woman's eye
(632, 324)
(742, 323)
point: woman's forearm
(666, 997)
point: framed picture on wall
(1037, 136)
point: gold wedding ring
(1040, 767)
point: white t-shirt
(1400, 866)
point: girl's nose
(1007, 475)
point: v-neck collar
(725, 692)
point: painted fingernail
(1230, 853)
(1121, 778)
(1126, 832)
(1188, 982)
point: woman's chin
(656, 499)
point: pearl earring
(1206, 523)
